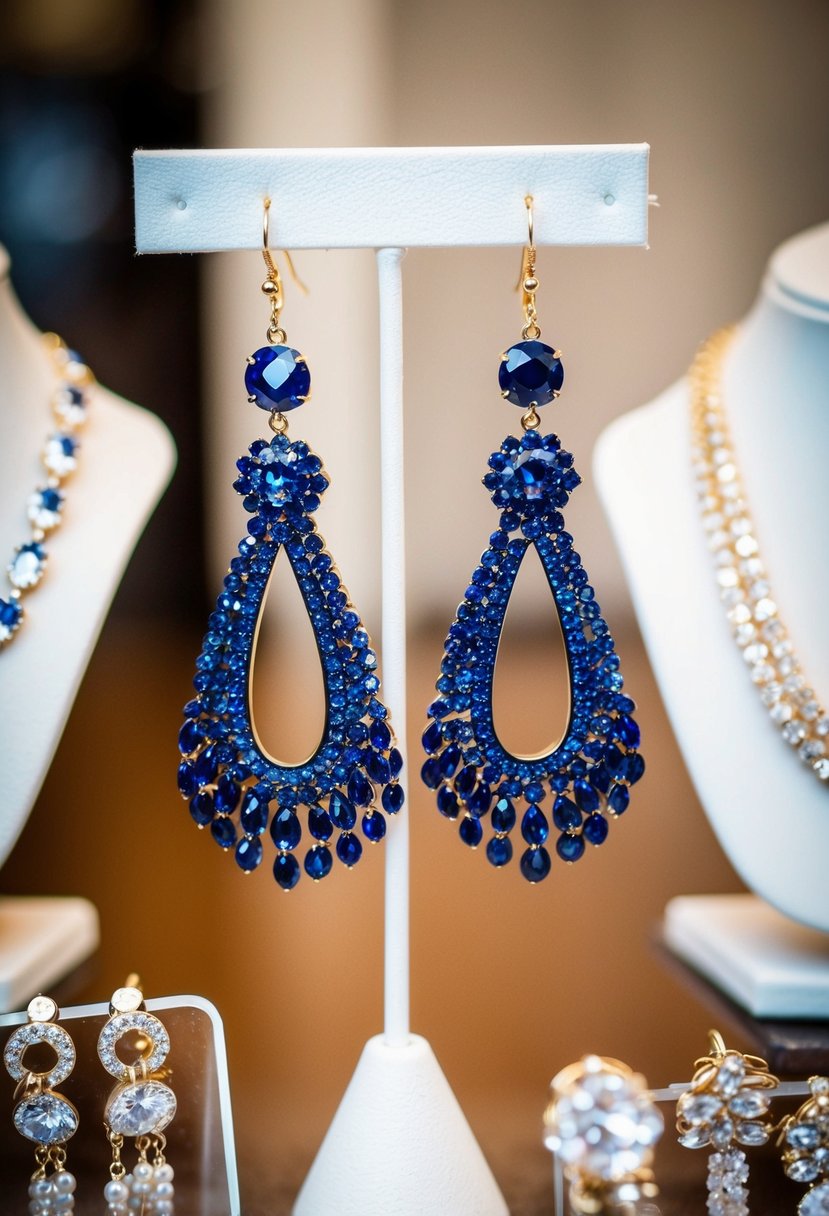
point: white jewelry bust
(769, 811)
(125, 462)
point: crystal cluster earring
(603, 1125)
(233, 786)
(805, 1135)
(588, 774)
(43, 1116)
(141, 1105)
(726, 1107)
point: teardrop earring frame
(232, 784)
(590, 771)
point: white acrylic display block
(399, 1145)
(41, 941)
(200, 1144)
(768, 964)
(372, 198)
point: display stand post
(399, 1143)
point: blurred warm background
(509, 982)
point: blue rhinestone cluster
(588, 775)
(232, 787)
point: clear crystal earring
(46, 1118)
(590, 771)
(806, 1153)
(233, 786)
(141, 1105)
(726, 1107)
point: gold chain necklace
(741, 574)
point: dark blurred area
(81, 86)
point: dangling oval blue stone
(249, 853)
(396, 762)
(618, 799)
(286, 830)
(341, 811)
(378, 768)
(374, 827)
(380, 735)
(206, 766)
(430, 772)
(634, 768)
(189, 737)
(201, 808)
(569, 848)
(587, 798)
(286, 871)
(359, 789)
(535, 864)
(628, 731)
(466, 780)
(470, 831)
(392, 798)
(432, 738)
(503, 816)
(534, 826)
(349, 849)
(448, 802)
(224, 832)
(318, 862)
(449, 759)
(499, 851)
(227, 795)
(478, 802)
(566, 815)
(595, 829)
(254, 814)
(319, 823)
(187, 783)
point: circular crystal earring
(589, 772)
(806, 1155)
(233, 785)
(46, 1118)
(141, 1105)
(726, 1107)
(603, 1124)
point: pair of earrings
(237, 790)
(140, 1106)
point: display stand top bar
(371, 198)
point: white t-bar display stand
(399, 1144)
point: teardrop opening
(286, 691)
(531, 680)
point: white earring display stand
(126, 459)
(768, 810)
(399, 1144)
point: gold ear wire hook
(527, 282)
(272, 286)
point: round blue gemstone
(503, 816)
(595, 829)
(286, 871)
(393, 798)
(470, 831)
(286, 830)
(618, 799)
(249, 853)
(374, 827)
(341, 811)
(535, 864)
(201, 808)
(277, 378)
(318, 862)
(499, 851)
(349, 849)
(530, 374)
(534, 826)
(319, 823)
(569, 848)
(224, 832)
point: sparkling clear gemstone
(141, 1108)
(771, 693)
(121, 1024)
(730, 1075)
(749, 1103)
(793, 732)
(26, 567)
(816, 1202)
(821, 768)
(803, 1135)
(696, 1137)
(764, 609)
(811, 749)
(781, 712)
(803, 1169)
(746, 545)
(822, 726)
(42, 1009)
(46, 1118)
(699, 1108)
(127, 1000)
(722, 1131)
(751, 1133)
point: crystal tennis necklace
(745, 591)
(59, 458)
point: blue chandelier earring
(585, 779)
(233, 786)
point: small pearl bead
(164, 1173)
(116, 1191)
(64, 1182)
(143, 1171)
(165, 1190)
(41, 1188)
(164, 1207)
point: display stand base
(768, 964)
(399, 1145)
(41, 940)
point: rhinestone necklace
(750, 606)
(59, 457)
